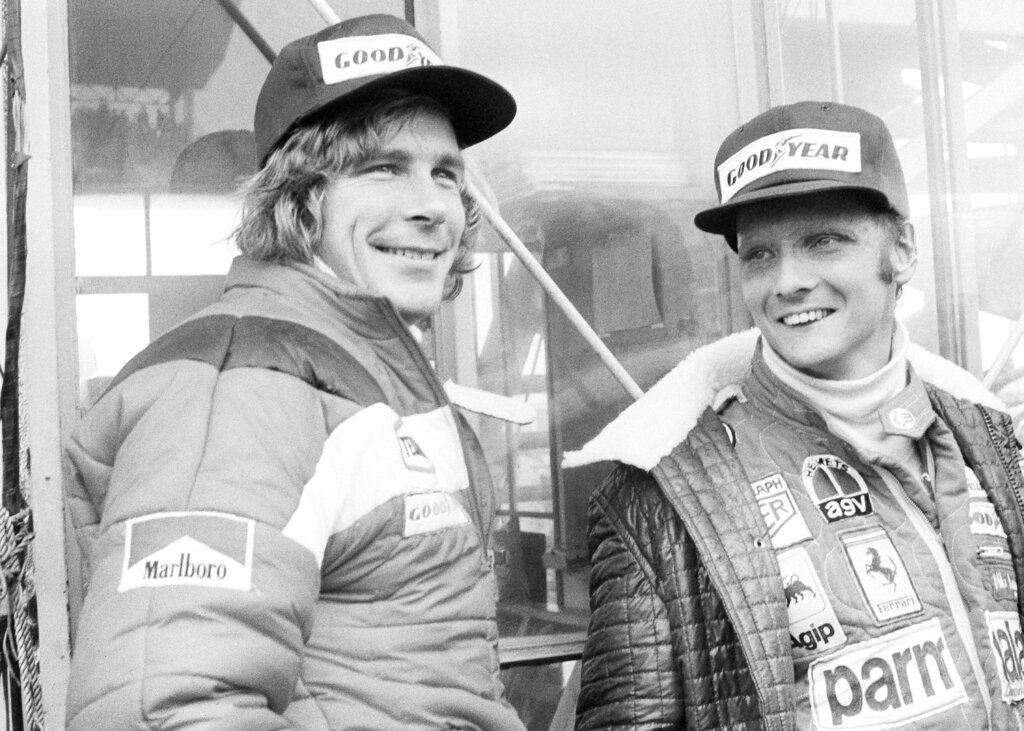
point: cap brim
(479, 107)
(722, 219)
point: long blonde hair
(282, 214)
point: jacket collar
(328, 299)
(648, 429)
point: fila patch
(1008, 647)
(430, 512)
(188, 548)
(793, 149)
(813, 626)
(896, 679)
(413, 456)
(343, 59)
(881, 573)
(786, 525)
(838, 489)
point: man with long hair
(286, 523)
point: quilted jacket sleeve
(628, 677)
(197, 607)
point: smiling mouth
(805, 318)
(417, 254)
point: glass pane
(111, 329)
(600, 175)
(162, 98)
(992, 53)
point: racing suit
(285, 524)
(752, 570)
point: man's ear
(904, 254)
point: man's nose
(425, 199)
(795, 275)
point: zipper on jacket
(398, 325)
(957, 607)
(1007, 467)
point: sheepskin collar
(648, 429)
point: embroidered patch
(836, 487)
(974, 489)
(413, 456)
(813, 626)
(194, 548)
(886, 682)
(786, 525)
(984, 521)
(343, 59)
(793, 149)
(1008, 647)
(881, 573)
(902, 419)
(432, 511)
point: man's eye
(446, 174)
(381, 167)
(755, 255)
(824, 241)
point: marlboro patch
(188, 548)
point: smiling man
(814, 524)
(286, 523)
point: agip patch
(813, 626)
(188, 548)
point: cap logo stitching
(791, 149)
(344, 59)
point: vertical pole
(956, 282)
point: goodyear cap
(802, 148)
(321, 73)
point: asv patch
(786, 524)
(432, 511)
(413, 456)
(836, 487)
(813, 626)
(1008, 647)
(886, 682)
(194, 548)
(881, 573)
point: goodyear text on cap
(344, 59)
(791, 149)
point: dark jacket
(689, 625)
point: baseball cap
(349, 61)
(802, 148)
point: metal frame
(956, 280)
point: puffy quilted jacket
(280, 528)
(689, 625)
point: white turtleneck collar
(856, 409)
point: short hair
(282, 213)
